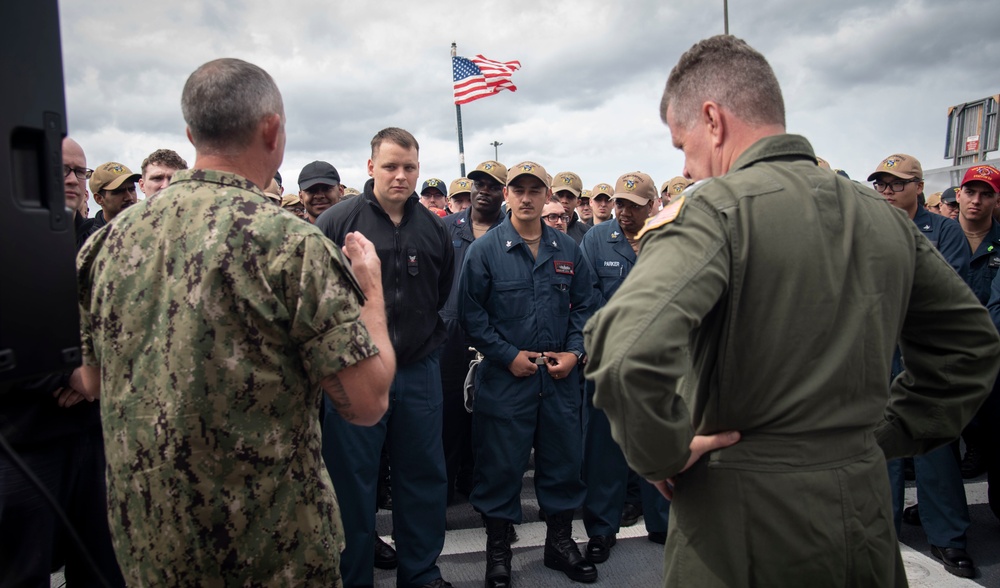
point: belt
(797, 451)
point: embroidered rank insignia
(564, 267)
(508, 243)
(664, 217)
(614, 234)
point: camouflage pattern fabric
(214, 315)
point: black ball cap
(318, 172)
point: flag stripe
(480, 77)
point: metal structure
(973, 131)
(496, 150)
(458, 116)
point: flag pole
(458, 116)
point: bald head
(74, 182)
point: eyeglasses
(82, 173)
(896, 185)
(951, 204)
(555, 217)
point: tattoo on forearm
(338, 395)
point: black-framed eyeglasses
(951, 204)
(555, 217)
(896, 185)
(82, 173)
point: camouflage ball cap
(528, 168)
(635, 187)
(904, 167)
(567, 181)
(111, 176)
(493, 169)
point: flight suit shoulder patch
(664, 217)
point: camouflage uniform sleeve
(323, 298)
(84, 264)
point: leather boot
(498, 554)
(562, 553)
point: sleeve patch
(664, 217)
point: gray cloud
(861, 79)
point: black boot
(562, 553)
(498, 554)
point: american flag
(480, 77)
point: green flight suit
(770, 305)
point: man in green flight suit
(789, 285)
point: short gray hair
(725, 70)
(223, 102)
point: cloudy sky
(862, 78)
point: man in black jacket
(417, 271)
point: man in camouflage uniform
(210, 320)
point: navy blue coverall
(510, 301)
(944, 511)
(605, 471)
(457, 423)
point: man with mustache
(525, 293)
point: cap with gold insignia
(675, 185)
(934, 199)
(460, 186)
(529, 168)
(436, 184)
(290, 200)
(602, 188)
(351, 192)
(111, 176)
(585, 195)
(567, 181)
(636, 187)
(904, 167)
(493, 169)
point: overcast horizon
(861, 80)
